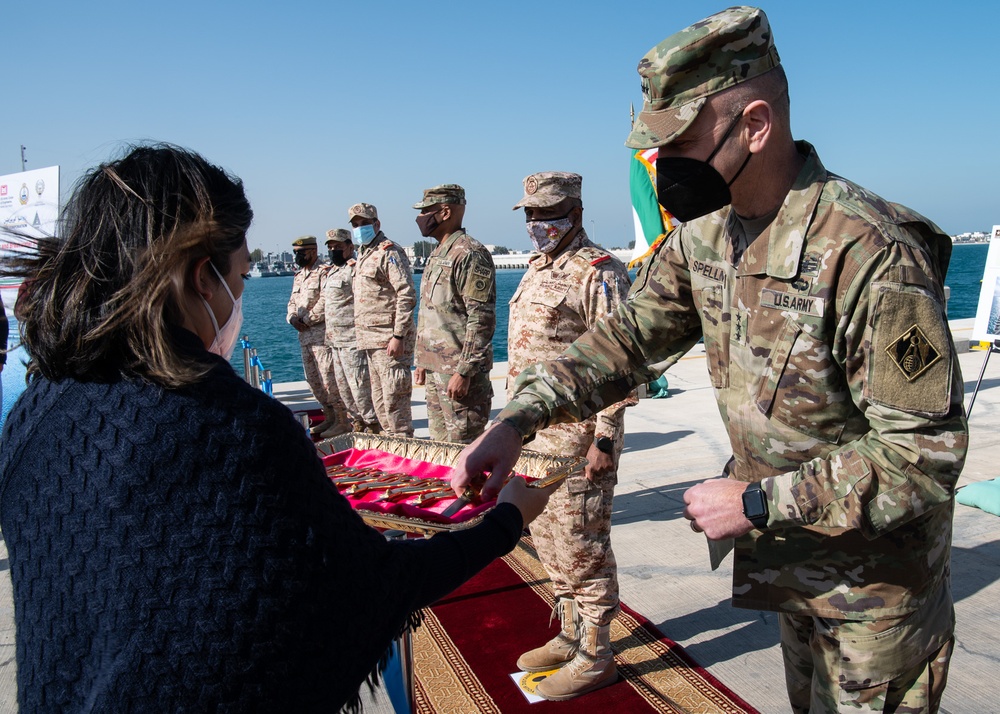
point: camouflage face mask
(546, 235)
(691, 188)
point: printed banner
(987, 325)
(29, 208)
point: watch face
(754, 505)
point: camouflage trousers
(392, 388)
(897, 665)
(316, 364)
(349, 368)
(573, 533)
(458, 420)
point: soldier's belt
(405, 484)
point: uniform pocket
(439, 280)
(715, 323)
(547, 308)
(803, 388)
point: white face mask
(226, 337)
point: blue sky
(320, 105)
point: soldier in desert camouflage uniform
(384, 301)
(306, 314)
(348, 364)
(822, 310)
(569, 286)
(456, 321)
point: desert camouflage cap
(304, 241)
(547, 188)
(341, 235)
(445, 193)
(686, 68)
(364, 210)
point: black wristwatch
(755, 506)
(605, 444)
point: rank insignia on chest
(809, 265)
(741, 320)
(913, 353)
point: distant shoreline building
(974, 237)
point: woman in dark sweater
(174, 542)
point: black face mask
(302, 258)
(689, 188)
(428, 223)
(337, 258)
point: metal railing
(253, 369)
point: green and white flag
(652, 223)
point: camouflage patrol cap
(450, 193)
(681, 72)
(364, 210)
(547, 188)
(303, 241)
(338, 235)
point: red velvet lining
(390, 463)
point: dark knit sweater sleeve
(183, 550)
(4, 334)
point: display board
(987, 325)
(29, 208)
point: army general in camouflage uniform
(384, 302)
(822, 310)
(306, 313)
(348, 364)
(569, 286)
(456, 321)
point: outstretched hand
(495, 452)
(530, 500)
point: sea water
(265, 307)
(265, 303)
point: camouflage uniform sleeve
(317, 313)
(477, 278)
(651, 330)
(292, 309)
(400, 277)
(606, 290)
(899, 359)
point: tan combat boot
(592, 668)
(329, 419)
(561, 648)
(334, 429)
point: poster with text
(987, 327)
(29, 208)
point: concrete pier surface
(664, 571)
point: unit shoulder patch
(913, 353)
(479, 284)
(910, 363)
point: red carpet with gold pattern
(466, 649)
